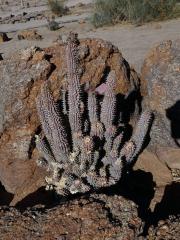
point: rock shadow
(169, 205)
(5, 197)
(46, 199)
(173, 114)
(1, 57)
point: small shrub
(107, 12)
(53, 25)
(57, 7)
(176, 10)
(136, 11)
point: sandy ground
(134, 42)
(20, 11)
(42, 7)
(40, 23)
(71, 3)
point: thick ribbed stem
(109, 101)
(74, 88)
(96, 126)
(52, 125)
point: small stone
(3, 37)
(29, 35)
(82, 21)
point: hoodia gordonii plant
(82, 145)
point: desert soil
(134, 42)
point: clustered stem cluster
(82, 145)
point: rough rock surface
(97, 58)
(161, 90)
(29, 35)
(20, 81)
(91, 217)
(160, 87)
(166, 229)
(108, 218)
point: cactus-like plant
(92, 153)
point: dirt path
(134, 42)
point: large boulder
(21, 77)
(161, 90)
(20, 81)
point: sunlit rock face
(161, 90)
(22, 76)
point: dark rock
(110, 217)
(53, 25)
(3, 37)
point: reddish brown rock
(110, 218)
(97, 58)
(21, 78)
(149, 162)
(169, 156)
(161, 89)
(161, 175)
(20, 83)
(29, 35)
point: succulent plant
(82, 145)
